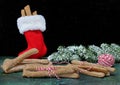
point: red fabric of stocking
(35, 39)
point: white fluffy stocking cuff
(34, 22)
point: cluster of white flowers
(90, 53)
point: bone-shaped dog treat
(9, 63)
(36, 70)
(91, 73)
(20, 66)
(76, 62)
(92, 68)
(16, 68)
(27, 10)
(27, 73)
(59, 69)
(40, 61)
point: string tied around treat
(50, 70)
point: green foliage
(90, 53)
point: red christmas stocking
(32, 27)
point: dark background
(69, 22)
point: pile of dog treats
(45, 68)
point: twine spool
(106, 60)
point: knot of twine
(50, 70)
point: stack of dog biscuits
(92, 69)
(18, 63)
